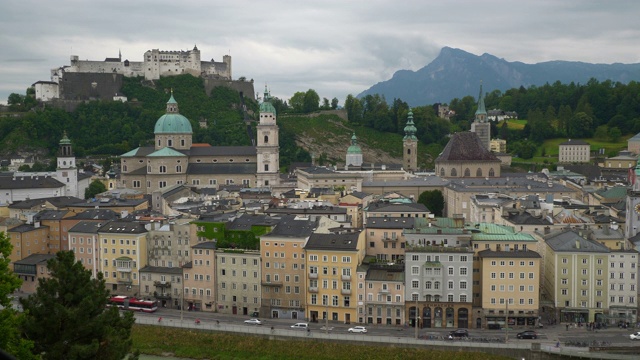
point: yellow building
(28, 239)
(123, 249)
(332, 260)
(510, 287)
(283, 277)
(576, 285)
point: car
(300, 326)
(460, 333)
(529, 334)
(635, 336)
(253, 322)
(358, 329)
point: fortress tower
(267, 148)
(410, 145)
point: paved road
(547, 335)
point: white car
(303, 326)
(358, 329)
(253, 322)
(635, 336)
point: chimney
(577, 244)
(547, 230)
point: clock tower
(632, 225)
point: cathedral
(175, 159)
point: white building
(574, 151)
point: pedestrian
(558, 344)
(567, 327)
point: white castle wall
(155, 63)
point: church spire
(172, 105)
(481, 113)
(410, 128)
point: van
(300, 326)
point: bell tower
(480, 124)
(267, 145)
(410, 145)
(66, 171)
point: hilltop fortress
(90, 79)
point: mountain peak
(455, 73)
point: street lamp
(416, 322)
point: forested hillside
(603, 110)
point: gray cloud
(335, 47)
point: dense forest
(595, 109)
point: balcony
(313, 289)
(313, 275)
(165, 284)
(345, 291)
(162, 296)
(389, 239)
(345, 277)
(272, 283)
(383, 291)
(123, 269)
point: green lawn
(159, 340)
(551, 146)
(514, 124)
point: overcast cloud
(336, 47)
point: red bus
(131, 303)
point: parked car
(529, 334)
(460, 333)
(358, 329)
(301, 326)
(635, 336)
(253, 322)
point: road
(549, 334)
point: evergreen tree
(68, 317)
(433, 200)
(11, 340)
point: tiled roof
(390, 223)
(570, 241)
(222, 151)
(574, 142)
(222, 168)
(466, 146)
(90, 227)
(289, 226)
(509, 254)
(340, 242)
(26, 182)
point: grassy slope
(157, 340)
(333, 134)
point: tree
(11, 340)
(325, 104)
(334, 103)
(68, 317)
(615, 134)
(433, 200)
(311, 101)
(297, 102)
(96, 187)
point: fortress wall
(245, 87)
(88, 86)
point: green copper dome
(410, 128)
(354, 148)
(172, 122)
(266, 106)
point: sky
(335, 47)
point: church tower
(267, 148)
(410, 145)
(354, 153)
(480, 125)
(66, 171)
